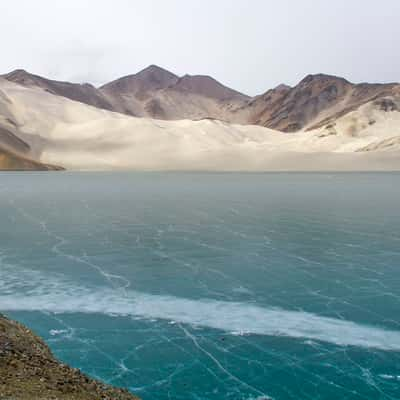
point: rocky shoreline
(29, 371)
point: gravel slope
(28, 371)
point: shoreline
(29, 371)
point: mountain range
(163, 121)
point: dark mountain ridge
(84, 93)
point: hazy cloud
(250, 45)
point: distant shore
(379, 161)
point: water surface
(210, 286)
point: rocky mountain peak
(147, 80)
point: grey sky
(249, 45)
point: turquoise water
(210, 286)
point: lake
(210, 286)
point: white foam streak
(226, 316)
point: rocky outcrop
(28, 371)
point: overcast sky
(250, 45)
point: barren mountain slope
(85, 137)
(130, 94)
(84, 93)
(76, 136)
(316, 100)
(374, 126)
(157, 93)
(153, 92)
(142, 84)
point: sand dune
(77, 136)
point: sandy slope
(76, 136)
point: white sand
(77, 136)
